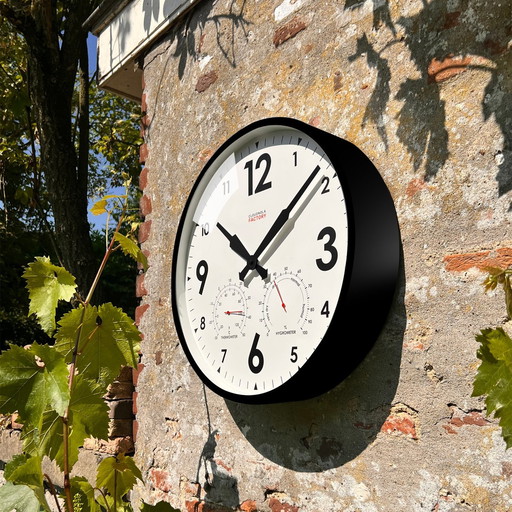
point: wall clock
(285, 263)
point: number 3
(329, 247)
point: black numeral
(263, 184)
(325, 309)
(202, 324)
(328, 247)
(224, 352)
(325, 183)
(255, 356)
(201, 274)
(294, 356)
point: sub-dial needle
(283, 305)
(239, 313)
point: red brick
(452, 19)
(400, 422)
(495, 47)
(144, 230)
(248, 506)
(135, 395)
(205, 155)
(196, 505)
(143, 153)
(135, 430)
(279, 506)
(145, 205)
(143, 178)
(471, 418)
(206, 80)
(140, 289)
(440, 70)
(315, 121)
(289, 30)
(501, 258)
(139, 312)
(160, 479)
(415, 186)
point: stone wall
(424, 88)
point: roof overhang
(125, 29)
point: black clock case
(370, 277)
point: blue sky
(97, 221)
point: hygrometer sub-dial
(230, 311)
(286, 304)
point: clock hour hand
(238, 247)
(280, 221)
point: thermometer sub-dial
(286, 304)
(230, 312)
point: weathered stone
(424, 90)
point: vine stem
(65, 419)
(53, 491)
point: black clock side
(372, 265)
(370, 277)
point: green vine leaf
(131, 249)
(32, 381)
(87, 417)
(494, 377)
(26, 470)
(83, 495)
(20, 498)
(47, 284)
(100, 206)
(117, 475)
(108, 340)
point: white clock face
(261, 260)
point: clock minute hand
(278, 224)
(239, 248)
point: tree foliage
(62, 142)
(62, 138)
(57, 390)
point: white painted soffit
(125, 28)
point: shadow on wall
(188, 45)
(219, 484)
(444, 38)
(334, 428)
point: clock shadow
(330, 430)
